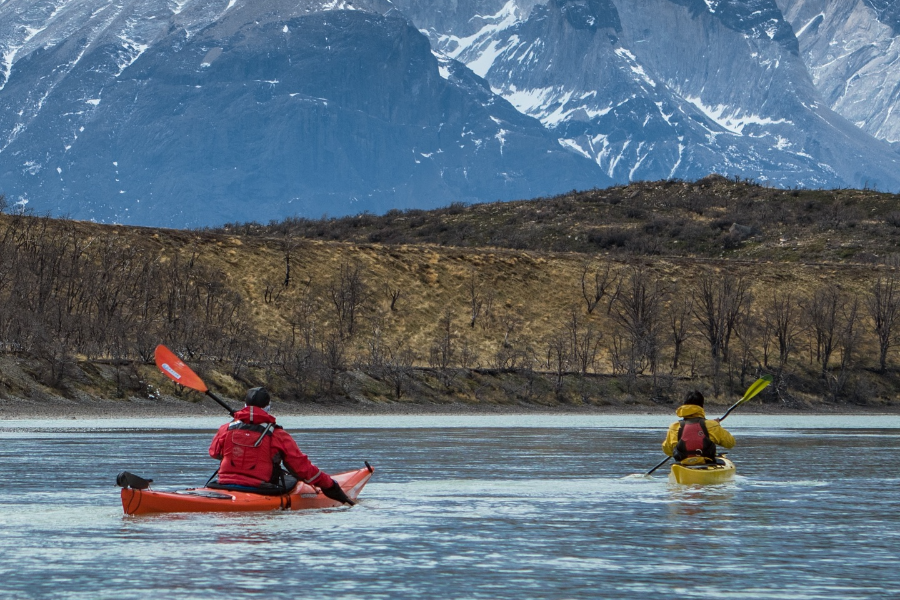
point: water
(463, 507)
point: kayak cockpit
(704, 473)
(138, 498)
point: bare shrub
(638, 315)
(349, 293)
(883, 303)
(597, 283)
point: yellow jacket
(717, 434)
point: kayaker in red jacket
(252, 448)
(694, 434)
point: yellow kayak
(702, 474)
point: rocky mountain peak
(888, 12)
(590, 14)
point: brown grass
(534, 290)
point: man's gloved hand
(336, 493)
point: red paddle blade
(175, 369)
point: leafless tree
(511, 323)
(398, 366)
(394, 293)
(468, 355)
(443, 348)
(597, 283)
(637, 312)
(678, 313)
(510, 349)
(744, 361)
(559, 357)
(303, 316)
(823, 313)
(782, 318)
(334, 359)
(883, 303)
(476, 299)
(271, 291)
(349, 293)
(719, 300)
(488, 315)
(376, 348)
(848, 336)
(288, 246)
(585, 339)
(782, 327)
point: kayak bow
(702, 474)
(302, 496)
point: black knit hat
(257, 396)
(694, 397)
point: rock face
(255, 114)
(852, 50)
(198, 112)
(666, 88)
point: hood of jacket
(690, 411)
(253, 414)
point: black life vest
(693, 440)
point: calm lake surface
(463, 507)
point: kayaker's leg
(282, 478)
(289, 482)
(211, 478)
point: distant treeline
(705, 218)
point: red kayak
(145, 501)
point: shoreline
(169, 406)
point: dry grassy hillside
(353, 323)
(714, 217)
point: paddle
(757, 386)
(175, 369)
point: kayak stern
(703, 474)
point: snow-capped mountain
(198, 112)
(852, 50)
(664, 88)
(210, 111)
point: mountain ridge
(773, 123)
(180, 115)
(189, 131)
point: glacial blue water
(532, 506)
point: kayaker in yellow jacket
(694, 434)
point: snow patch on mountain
(852, 50)
(730, 121)
(635, 67)
(485, 42)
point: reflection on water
(509, 509)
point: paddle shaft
(733, 406)
(221, 402)
(664, 461)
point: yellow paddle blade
(757, 386)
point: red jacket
(252, 444)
